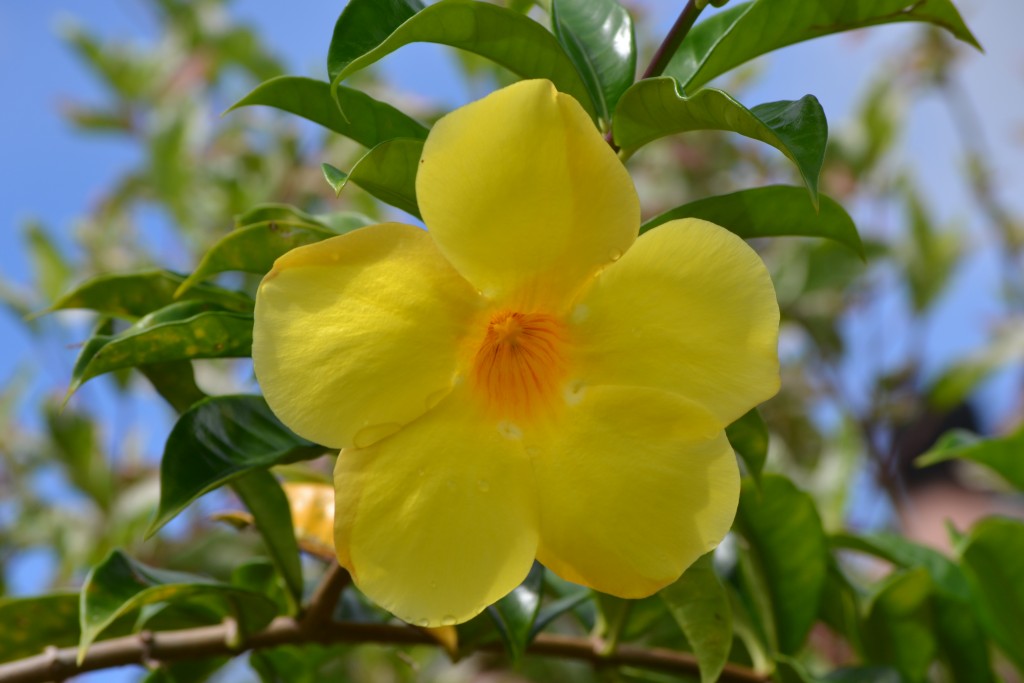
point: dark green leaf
(175, 382)
(515, 613)
(657, 107)
(962, 643)
(551, 611)
(782, 526)
(503, 36)
(362, 26)
(750, 29)
(52, 271)
(773, 211)
(598, 37)
(897, 630)
(119, 585)
(700, 606)
(186, 330)
(255, 246)
(74, 436)
(216, 441)
(193, 671)
(133, 295)
(388, 172)
(993, 559)
(1003, 455)
(265, 499)
(749, 438)
(354, 114)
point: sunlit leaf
(749, 438)
(700, 606)
(772, 211)
(747, 30)
(503, 36)
(388, 172)
(656, 107)
(598, 37)
(353, 114)
(1003, 455)
(180, 331)
(133, 295)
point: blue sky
(53, 174)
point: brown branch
(325, 598)
(214, 641)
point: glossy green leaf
(773, 211)
(515, 613)
(265, 499)
(556, 608)
(120, 585)
(897, 629)
(185, 330)
(133, 295)
(388, 172)
(700, 606)
(503, 36)
(362, 26)
(353, 114)
(993, 559)
(599, 39)
(1003, 455)
(749, 438)
(656, 107)
(175, 381)
(216, 441)
(747, 30)
(782, 526)
(255, 246)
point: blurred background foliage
(80, 482)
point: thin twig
(325, 598)
(213, 641)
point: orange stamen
(520, 363)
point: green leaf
(551, 611)
(185, 330)
(700, 606)
(254, 246)
(175, 381)
(599, 39)
(657, 107)
(962, 643)
(514, 614)
(749, 438)
(782, 526)
(133, 295)
(265, 499)
(120, 585)
(353, 114)
(1003, 455)
(388, 172)
(74, 436)
(193, 671)
(503, 36)
(906, 554)
(773, 211)
(216, 441)
(750, 29)
(897, 629)
(32, 624)
(993, 559)
(362, 26)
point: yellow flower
(526, 379)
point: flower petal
(642, 484)
(439, 520)
(358, 334)
(524, 196)
(690, 309)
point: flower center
(520, 363)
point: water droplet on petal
(510, 430)
(423, 623)
(573, 393)
(448, 620)
(367, 436)
(615, 255)
(579, 313)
